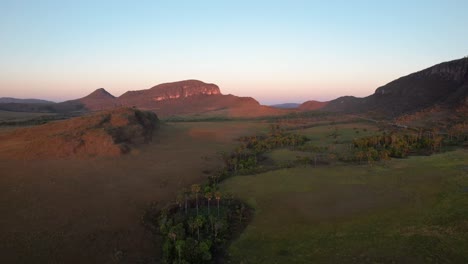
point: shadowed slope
(445, 85)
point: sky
(274, 51)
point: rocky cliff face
(183, 89)
(168, 91)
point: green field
(404, 211)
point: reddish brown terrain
(89, 210)
(190, 97)
(312, 105)
(108, 133)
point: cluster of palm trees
(193, 229)
(393, 144)
(245, 158)
(195, 191)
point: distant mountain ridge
(444, 85)
(286, 105)
(10, 100)
(189, 97)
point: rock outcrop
(168, 91)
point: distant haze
(274, 51)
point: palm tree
(218, 197)
(186, 194)
(180, 199)
(179, 245)
(192, 225)
(199, 221)
(196, 189)
(208, 196)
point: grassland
(404, 211)
(90, 210)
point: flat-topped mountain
(444, 85)
(167, 91)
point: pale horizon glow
(273, 51)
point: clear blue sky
(275, 51)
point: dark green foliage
(245, 158)
(198, 237)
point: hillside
(444, 85)
(312, 105)
(108, 133)
(100, 99)
(190, 97)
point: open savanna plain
(309, 205)
(90, 210)
(411, 210)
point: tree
(192, 224)
(204, 250)
(179, 245)
(195, 190)
(240, 211)
(208, 196)
(218, 198)
(199, 221)
(180, 199)
(360, 155)
(186, 194)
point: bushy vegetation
(199, 225)
(245, 158)
(396, 145)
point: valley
(180, 173)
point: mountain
(193, 97)
(100, 99)
(444, 85)
(286, 105)
(169, 91)
(9, 100)
(312, 105)
(190, 97)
